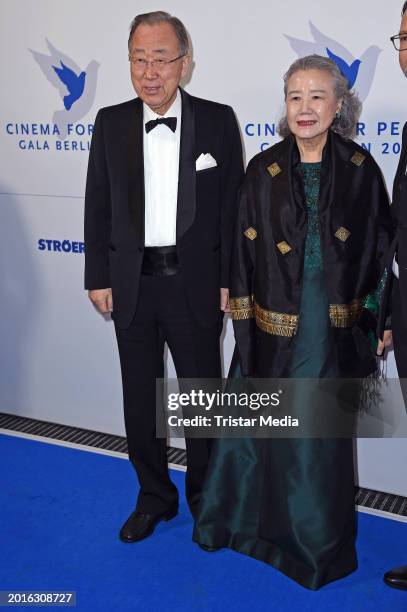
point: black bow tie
(171, 122)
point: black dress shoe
(140, 525)
(208, 548)
(397, 578)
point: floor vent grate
(385, 502)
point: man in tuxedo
(395, 293)
(163, 175)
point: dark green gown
(305, 525)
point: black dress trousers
(163, 315)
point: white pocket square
(205, 161)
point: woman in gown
(312, 233)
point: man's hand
(387, 342)
(224, 300)
(102, 300)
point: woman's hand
(224, 300)
(386, 343)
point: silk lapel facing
(186, 204)
(136, 169)
(399, 208)
(401, 167)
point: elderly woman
(312, 232)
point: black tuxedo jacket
(399, 244)
(206, 207)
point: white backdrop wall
(59, 358)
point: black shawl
(268, 254)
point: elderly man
(164, 171)
(397, 269)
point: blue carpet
(60, 513)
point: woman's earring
(338, 114)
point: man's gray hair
(162, 17)
(345, 125)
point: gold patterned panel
(342, 233)
(283, 247)
(274, 169)
(275, 323)
(241, 308)
(358, 158)
(345, 315)
(250, 233)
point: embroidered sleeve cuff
(241, 308)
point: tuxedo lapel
(186, 203)
(401, 168)
(398, 207)
(136, 169)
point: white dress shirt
(395, 268)
(161, 166)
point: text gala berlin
(57, 145)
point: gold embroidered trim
(250, 233)
(274, 169)
(241, 308)
(358, 158)
(275, 323)
(283, 324)
(283, 247)
(342, 233)
(345, 315)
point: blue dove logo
(76, 87)
(75, 84)
(350, 72)
(358, 71)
